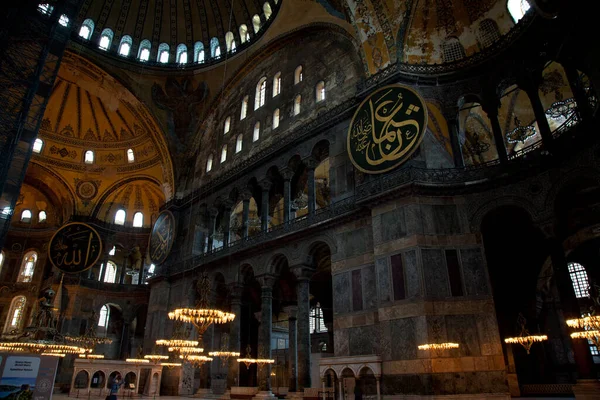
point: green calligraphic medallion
(161, 238)
(386, 129)
(74, 248)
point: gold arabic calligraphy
(64, 258)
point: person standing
(114, 389)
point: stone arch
(308, 247)
(277, 262)
(118, 185)
(82, 379)
(476, 218)
(567, 177)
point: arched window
(317, 322)
(320, 89)
(256, 133)
(120, 217)
(227, 125)
(209, 163)
(297, 104)
(15, 314)
(45, 8)
(110, 275)
(261, 93)
(125, 46)
(87, 28)
(26, 216)
(267, 10)
(453, 50)
(199, 52)
(63, 20)
(276, 118)
(106, 39)
(130, 156)
(27, 267)
(37, 145)
(298, 75)
(244, 34)
(181, 54)
(1, 260)
(104, 316)
(277, 84)
(579, 279)
(239, 142)
(138, 220)
(230, 41)
(163, 53)
(112, 251)
(488, 32)
(244, 110)
(224, 153)
(215, 49)
(42, 216)
(517, 9)
(256, 23)
(89, 157)
(144, 51)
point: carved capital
(213, 212)
(310, 162)
(246, 195)
(266, 281)
(303, 271)
(265, 184)
(287, 174)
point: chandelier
(592, 336)
(520, 133)
(248, 360)
(590, 322)
(224, 354)
(90, 339)
(195, 360)
(525, 339)
(438, 346)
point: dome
(174, 33)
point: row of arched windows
(88, 156)
(26, 216)
(121, 216)
(181, 54)
(27, 266)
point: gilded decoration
(162, 236)
(74, 248)
(86, 190)
(386, 129)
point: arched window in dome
(163, 53)
(215, 48)
(227, 125)
(239, 143)
(244, 109)
(209, 163)
(104, 316)
(38, 144)
(63, 20)
(488, 32)
(230, 42)
(89, 157)
(267, 10)
(27, 267)
(87, 28)
(320, 91)
(224, 153)
(120, 217)
(261, 93)
(256, 133)
(125, 46)
(144, 51)
(517, 9)
(277, 84)
(199, 52)
(244, 34)
(579, 279)
(138, 220)
(110, 275)
(181, 54)
(452, 50)
(297, 104)
(113, 251)
(298, 75)
(256, 23)
(276, 118)
(106, 38)
(45, 8)
(26, 216)
(42, 216)
(15, 314)
(130, 156)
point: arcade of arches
(234, 117)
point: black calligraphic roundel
(386, 129)
(161, 238)
(74, 248)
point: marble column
(265, 331)
(212, 217)
(287, 175)
(583, 103)
(492, 112)
(530, 85)
(292, 312)
(226, 224)
(303, 274)
(378, 387)
(235, 291)
(246, 196)
(265, 185)
(454, 131)
(311, 164)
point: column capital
(235, 290)
(213, 212)
(265, 184)
(310, 162)
(287, 173)
(291, 311)
(266, 281)
(246, 195)
(303, 271)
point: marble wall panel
(354, 242)
(369, 287)
(341, 343)
(361, 340)
(413, 218)
(462, 329)
(412, 274)
(393, 225)
(489, 337)
(383, 280)
(474, 271)
(435, 272)
(445, 383)
(342, 301)
(403, 336)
